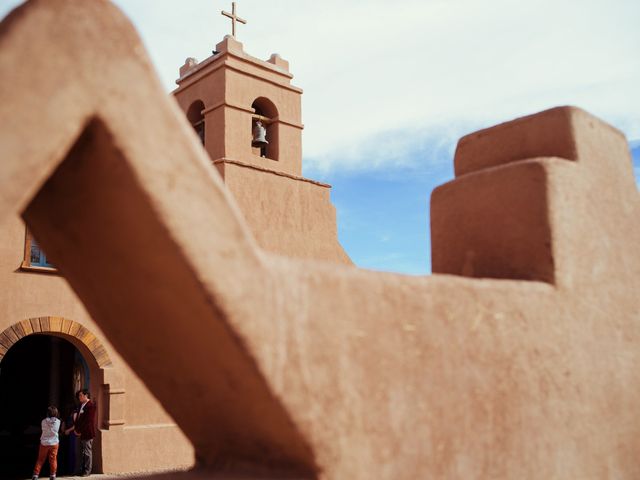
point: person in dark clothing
(85, 428)
(69, 441)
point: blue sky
(635, 153)
(383, 212)
(389, 87)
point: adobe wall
(136, 433)
(288, 215)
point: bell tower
(244, 109)
(248, 117)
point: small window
(34, 257)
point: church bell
(259, 135)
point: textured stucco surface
(284, 368)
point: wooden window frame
(26, 260)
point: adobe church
(518, 358)
(247, 115)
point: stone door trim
(54, 325)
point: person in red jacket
(85, 428)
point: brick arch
(55, 325)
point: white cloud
(373, 69)
(408, 148)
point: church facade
(248, 117)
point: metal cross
(234, 18)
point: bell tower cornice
(230, 53)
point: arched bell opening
(264, 128)
(195, 116)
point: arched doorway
(37, 371)
(44, 361)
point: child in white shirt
(49, 443)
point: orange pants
(45, 451)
